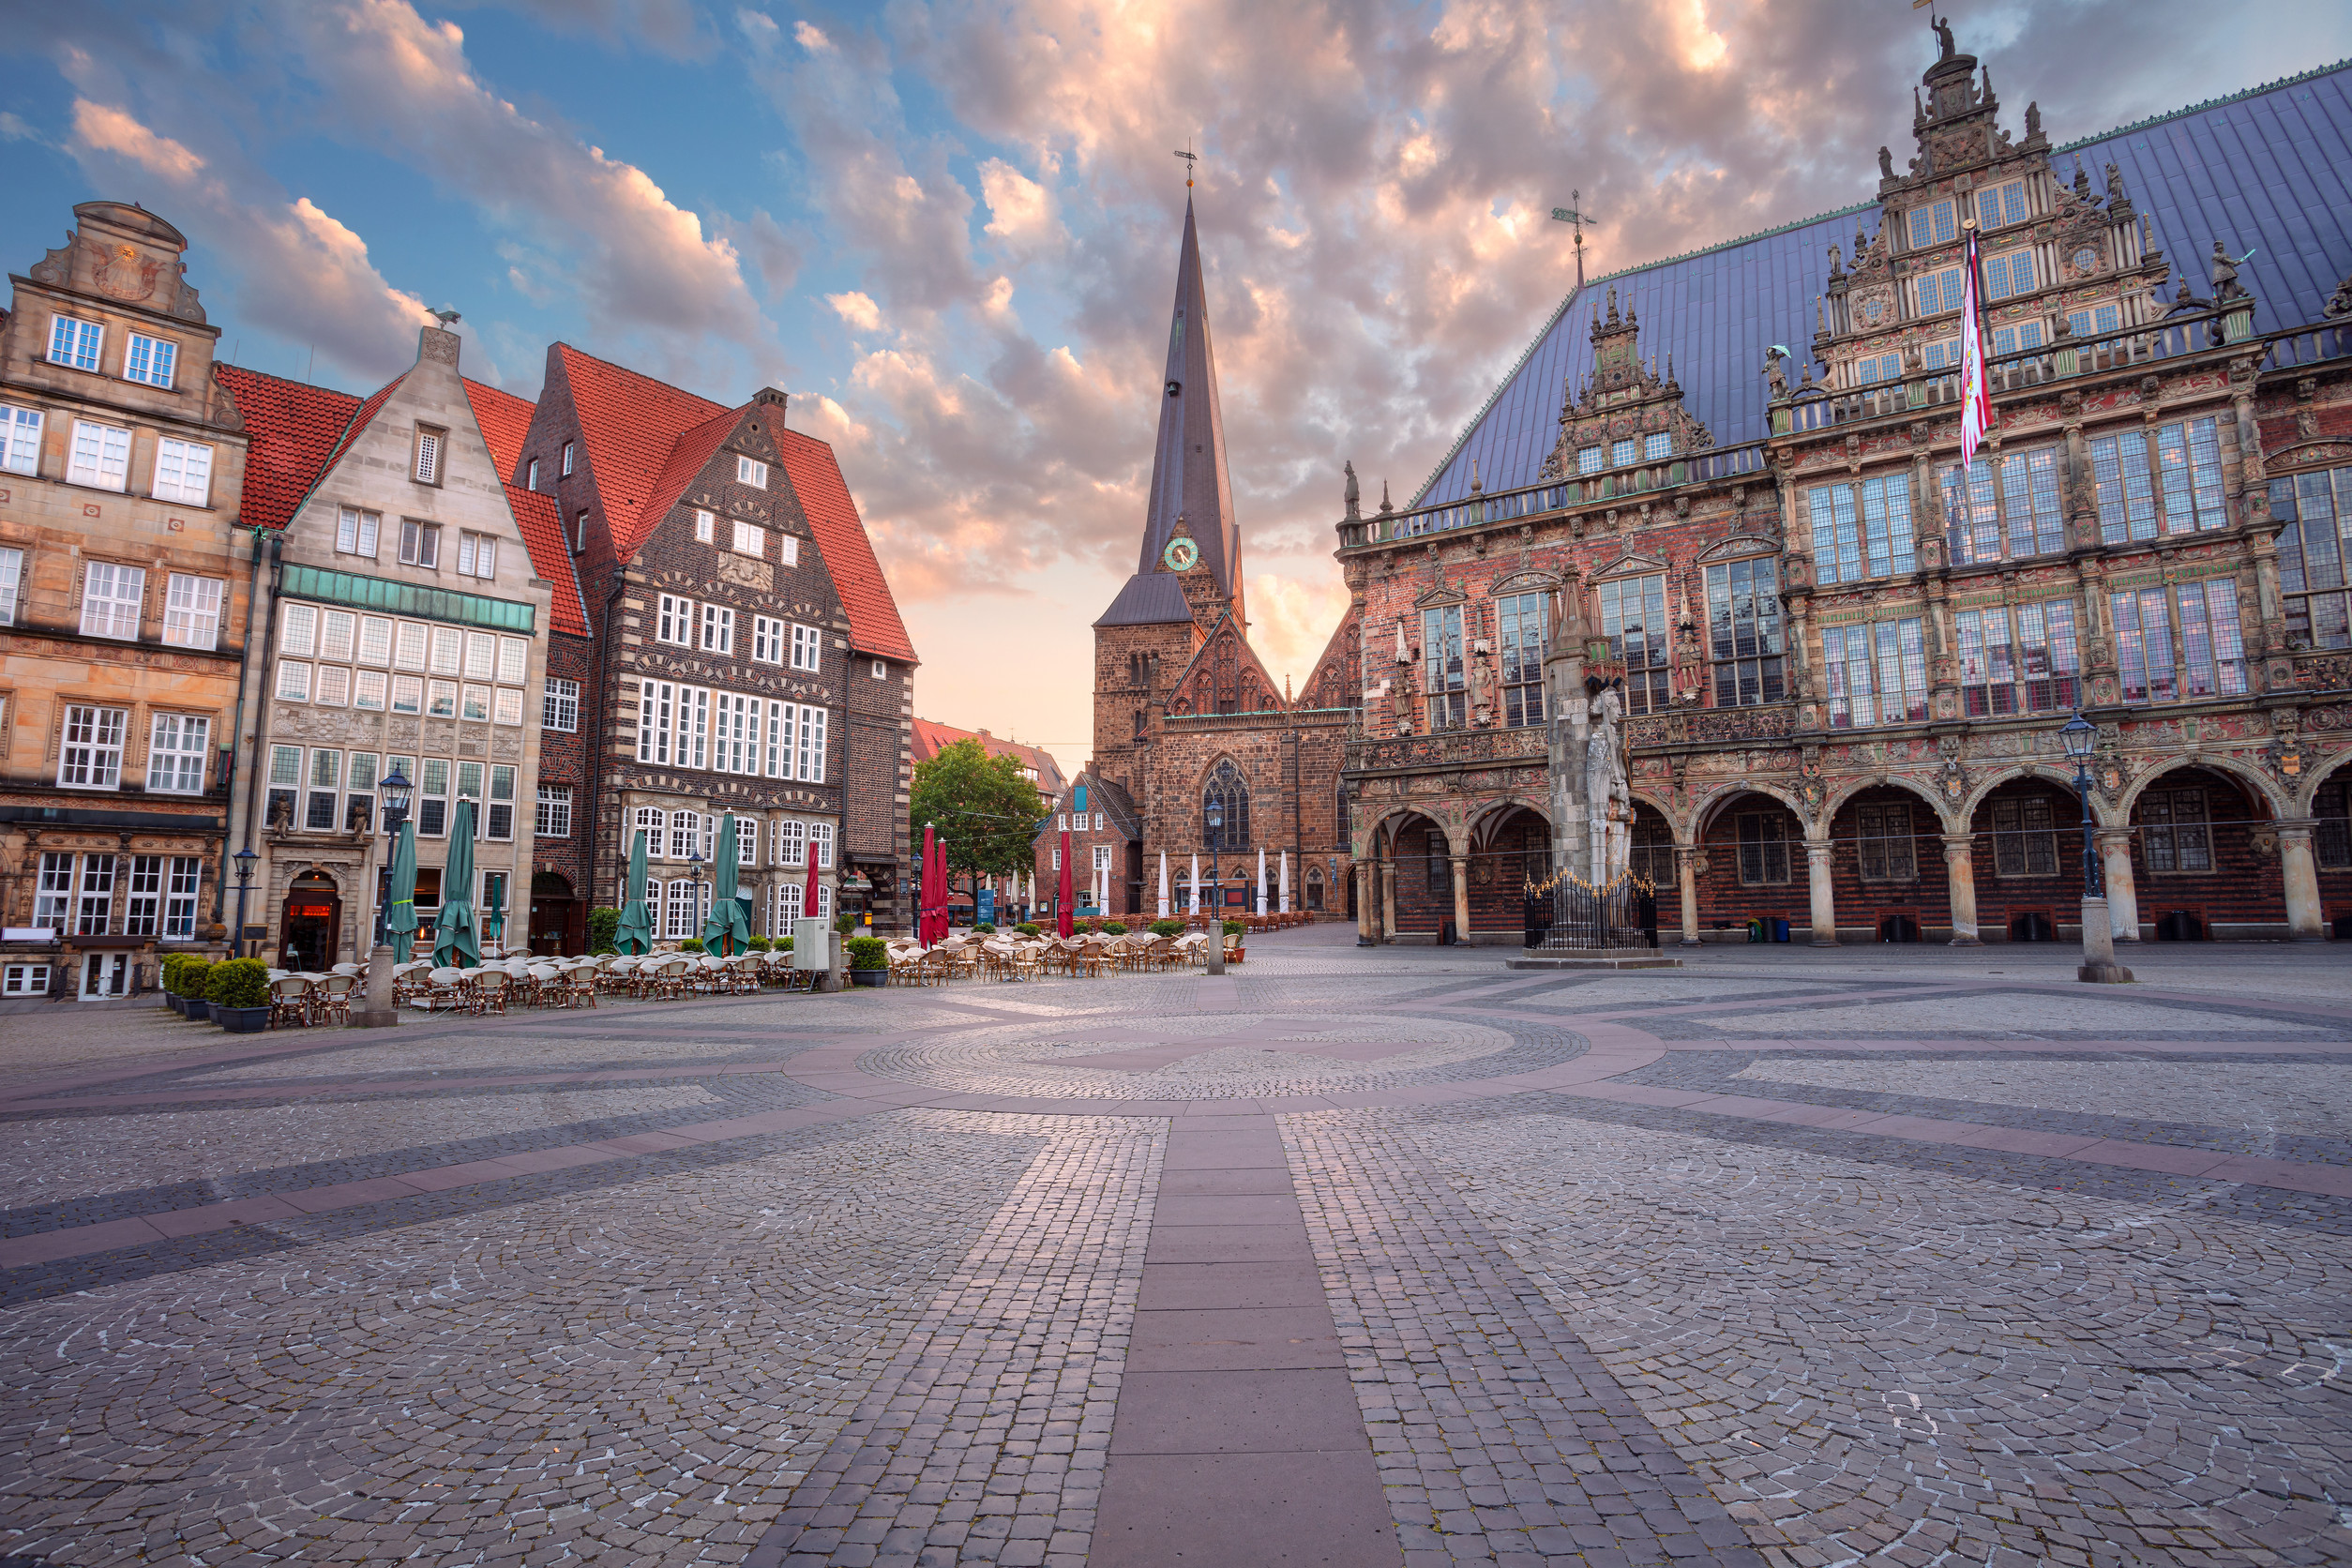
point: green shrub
(985, 927)
(783, 944)
(1117, 927)
(1167, 927)
(195, 976)
(758, 944)
(691, 945)
(239, 983)
(604, 924)
(172, 964)
(869, 953)
(1027, 927)
(1234, 928)
(845, 922)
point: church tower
(1188, 572)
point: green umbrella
(402, 922)
(725, 931)
(634, 932)
(457, 942)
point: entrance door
(105, 975)
(314, 913)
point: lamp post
(694, 862)
(380, 1013)
(2099, 967)
(246, 860)
(1215, 817)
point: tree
(982, 805)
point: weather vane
(1192, 160)
(1575, 220)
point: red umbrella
(808, 899)
(1061, 903)
(930, 888)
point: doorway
(314, 913)
(105, 975)
(551, 914)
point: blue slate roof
(2268, 171)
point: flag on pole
(1976, 397)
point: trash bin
(1445, 934)
(1780, 931)
(1755, 931)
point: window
(531, 475)
(111, 596)
(2019, 659)
(1444, 677)
(2000, 205)
(567, 459)
(501, 802)
(579, 533)
(2095, 322)
(777, 760)
(12, 584)
(704, 526)
(176, 752)
(52, 898)
(789, 549)
(100, 456)
(751, 471)
(506, 706)
(420, 544)
(2009, 274)
(478, 555)
(429, 443)
(359, 804)
(325, 779)
(682, 916)
(2182, 470)
(334, 687)
(293, 682)
(285, 778)
(812, 743)
(1939, 292)
(474, 702)
(736, 734)
(1519, 622)
(183, 472)
(559, 705)
(1877, 674)
(440, 698)
(1932, 224)
(481, 655)
(718, 629)
(791, 843)
(2313, 547)
(448, 655)
(806, 649)
(685, 835)
(20, 439)
(2025, 839)
(186, 879)
(1870, 538)
(1940, 357)
(655, 703)
(676, 620)
(24, 980)
(408, 648)
(1633, 618)
(750, 539)
(2332, 839)
(2011, 340)
(368, 690)
(881, 671)
(75, 342)
(1763, 848)
(2008, 507)
(191, 611)
(767, 639)
(95, 909)
(1102, 857)
(820, 844)
(2213, 654)
(553, 819)
(355, 533)
(432, 797)
(408, 694)
(1622, 452)
(1878, 368)
(2176, 834)
(2143, 636)
(1656, 447)
(1225, 808)
(1590, 460)
(747, 841)
(692, 748)
(337, 628)
(1743, 631)
(91, 755)
(1885, 842)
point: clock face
(1180, 555)
(2085, 258)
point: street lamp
(694, 861)
(246, 860)
(2079, 735)
(380, 1013)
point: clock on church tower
(1182, 556)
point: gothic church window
(1744, 631)
(1443, 671)
(1633, 618)
(1519, 622)
(1225, 808)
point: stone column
(1388, 899)
(2115, 867)
(1686, 873)
(1461, 897)
(2301, 873)
(1960, 878)
(1824, 893)
(1363, 873)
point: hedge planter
(197, 1009)
(177, 1003)
(869, 977)
(241, 1021)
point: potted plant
(604, 923)
(1028, 928)
(758, 944)
(870, 960)
(195, 976)
(239, 994)
(1115, 928)
(691, 945)
(1234, 953)
(169, 968)
(1167, 927)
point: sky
(949, 228)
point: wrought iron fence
(1565, 910)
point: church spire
(1188, 472)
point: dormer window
(1589, 459)
(1656, 447)
(1624, 452)
(750, 471)
(1878, 367)
(2001, 204)
(1932, 224)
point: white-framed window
(1591, 460)
(177, 750)
(881, 671)
(675, 621)
(1939, 292)
(481, 655)
(553, 817)
(75, 342)
(151, 360)
(750, 539)
(293, 682)
(191, 611)
(91, 755)
(705, 525)
(333, 689)
(1861, 536)
(687, 837)
(791, 841)
(448, 655)
(95, 910)
(408, 694)
(100, 457)
(531, 475)
(767, 639)
(355, 532)
(579, 533)
(325, 785)
(143, 906)
(807, 647)
(2000, 205)
(339, 629)
(2019, 659)
(111, 598)
(24, 980)
(20, 439)
(408, 646)
(1656, 447)
(559, 705)
(656, 707)
(1932, 225)
(1877, 674)
(718, 629)
(514, 659)
(428, 445)
(567, 459)
(53, 895)
(420, 544)
(2009, 274)
(1102, 857)
(750, 471)
(478, 555)
(432, 797)
(368, 690)
(735, 733)
(777, 754)
(787, 548)
(1057, 857)
(298, 630)
(501, 802)
(811, 768)
(473, 701)
(506, 705)
(1624, 452)
(684, 916)
(820, 844)
(440, 698)
(691, 748)
(656, 824)
(186, 880)
(747, 841)
(183, 472)
(12, 584)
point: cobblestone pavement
(1805, 1258)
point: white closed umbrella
(1163, 885)
(1261, 884)
(1285, 881)
(1196, 882)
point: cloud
(812, 38)
(857, 310)
(1020, 210)
(103, 128)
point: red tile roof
(932, 738)
(506, 419)
(359, 421)
(687, 456)
(542, 528)
(631, 422)
(849, 554)
(293, 428)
